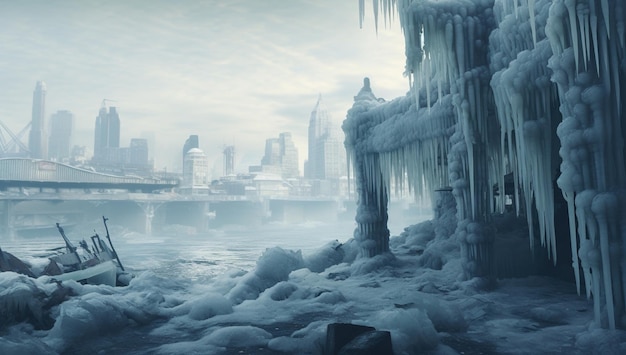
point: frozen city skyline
(235, 72)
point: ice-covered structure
(527, 89)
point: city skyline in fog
(231, 72)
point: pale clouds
(230, 71)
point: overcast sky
(231, 71)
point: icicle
(593, 19)
(602, 204)
(361, 12)
(571, 9)
(533, 25)
(375, 8)
(606, 15)
(569, 197)
(583, 23)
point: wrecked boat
(96, 264)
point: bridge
(35, 194)
(37, 173)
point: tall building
(196, 171)
(150, 136)
(191, 143)
(37, 137)
(139, 152)
(229, 160)
(289, 160)
(272, 152)
(107, 136)
(282, 155)
(60, 140)
(327, 155)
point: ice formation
(526, 88)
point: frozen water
(182, 298)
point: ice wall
(529, 88)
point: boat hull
(101, 274)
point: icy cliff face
(529, 88)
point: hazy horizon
(232, 72)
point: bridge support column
(7, 223)
(206, 217)
(148, 210)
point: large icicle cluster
(447, 54)
(525, 103)
(589, 64)
(529, 88)
(385, 142)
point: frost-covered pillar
(371, 233)
(206, 217)
(149, 209)
(588, 40)
(7, 219)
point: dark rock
(375, 342)
(340, 334)
(8, 262)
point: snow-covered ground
(284, 301)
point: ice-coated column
(371, 233)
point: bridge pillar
(6, 224)
(207, 215)
(148, 210)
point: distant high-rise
(327, 155)
(318, 127)
(196, 171)
(288, 156)
(150, 136)
(229, 160)
(37, 138)
(107, 135)
(60, 140)
(191, 143)
(282, 153)
(272, 152)
(139, 152)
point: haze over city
(235, 72)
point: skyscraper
(139, 152)
(318, 123)
(327, 155)
(196, 172)
(272, 152)
(191, 143)
(60, 140)
(37, 137)
(288, 156)
(107, 135)
(282, 153)
(229, 160)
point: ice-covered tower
(37, 142)
(371, 233)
